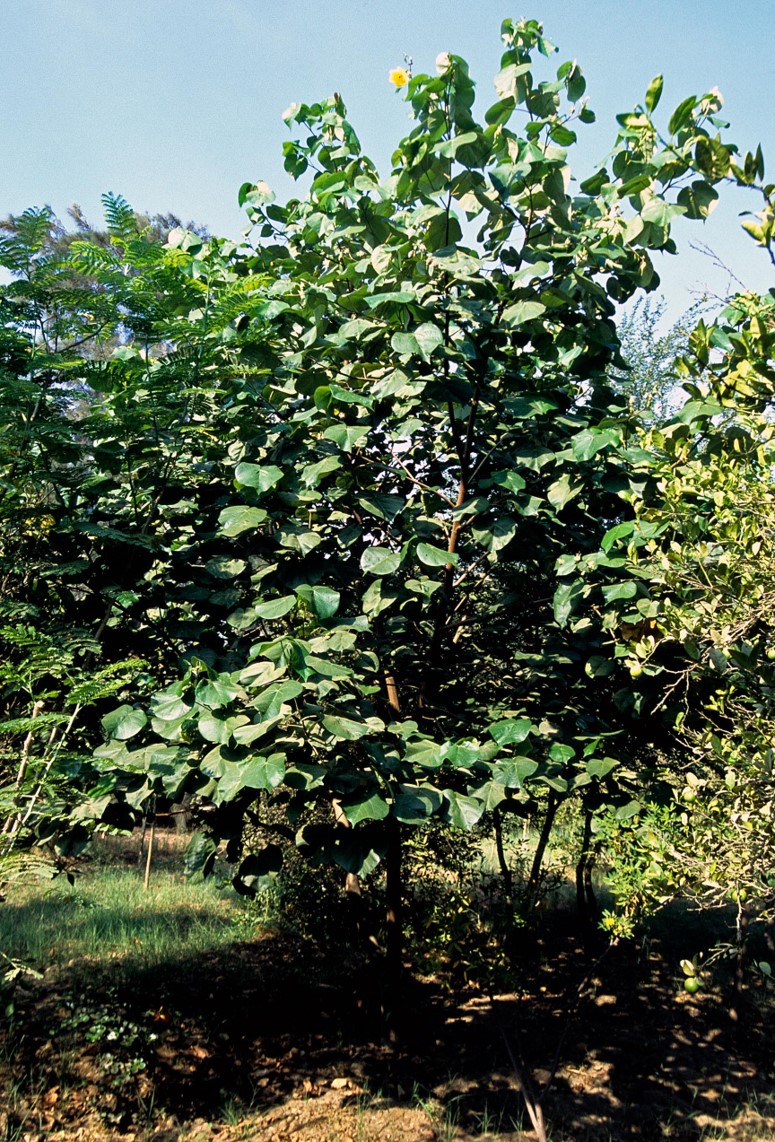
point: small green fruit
(770, 652)
(692, 985)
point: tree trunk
(506, 873)
(394, 938)
(585, 893)
(531, 892)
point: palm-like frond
(119, 217)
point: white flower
(443, 62)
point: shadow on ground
(276, 1019)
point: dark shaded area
(254, 1025)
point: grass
(107, 914)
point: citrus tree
(700, 643)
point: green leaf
(275, 608)
(346, 436)
(272, 702)
(428, 337)
(699, 199)
(354, 331)
(124, 722)
(595, 183)
(500, 533)
(620, 591)
(216, 730)
(373, 808)
(215, 693)
(599, 767)
(353, 853)
(496, 116)
(378, 598)
(233, 521)
(599, 667)
(327, 668)
(509, 479)
(298, 539)
(250, 733)
(461, 811)
(619, 531)
(509, 731)
(264, 772)
(400, 297)
(414, 804)
(345, 728)
(405, 344)
(590, 441)
(323, 600)
(521, 312)
(199, 857)
(682, 114)
(566, 599)
(257, 871)
(506, 81)
(255, 195)
(712, 157)
(561, 492)
(514, 773)
(312, 474)
(262, 477)
(661, 213)
(562, 135)
(654, 93)
(168, 705)
(380, 561)
(424, 755)
(435, 556)
(577, 85)
(221, 567)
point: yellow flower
(399, 77)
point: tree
(701, 645)
(417, 454)
(651, 382)
(96, 434)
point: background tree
(103, 352)
(702, 549)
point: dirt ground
(277, 1041)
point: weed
(488, 1121)
(232, 1112)
(445, 1115)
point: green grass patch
(107, 914)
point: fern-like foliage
(30, 725)
(105, 682)
(119, 217)
(20, 867)
(27, 236)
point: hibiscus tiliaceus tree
(418, 445)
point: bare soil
(276, 1040)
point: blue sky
(175, 103)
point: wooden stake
(150, 854)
